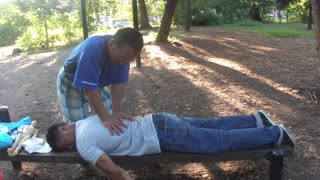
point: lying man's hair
(53, 135)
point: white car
(122, 24)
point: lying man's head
(62, 137)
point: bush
(8, 34)
(206, 18)
(33, 39)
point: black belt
(70, 68)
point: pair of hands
(115, 122)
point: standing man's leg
(73, 102)
(106, 98)
(71, 99)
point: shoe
(280, 139)
(266, 120)
(287, 136)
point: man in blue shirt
(95, 64)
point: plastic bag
(8, 132)
(5, 139)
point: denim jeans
(212, 135)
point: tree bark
(310, 15)
(187, 15)
(84, 19)
(144, 20)
(316, 13)
(254, 13)
(47, 36)
(166, 21)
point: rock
(16, 51)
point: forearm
(96, 103)
(117, 92)
(106, 164)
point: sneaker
(266, 120)
(280, 139)
(287, 136)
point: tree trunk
(310, 15)
(84, 19)
(316, 13)
(187, 15)
(166, 21)
(144, 20)
(47, 36)
(254, 13)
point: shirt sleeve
(120, 73)
(88, 70)
(90, 153)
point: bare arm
(106, 164)
(112, 122)
(97, 104)
(117, 92)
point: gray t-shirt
(93, 139)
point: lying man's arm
(106, 164)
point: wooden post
(84, 19)
(135, 25)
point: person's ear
(62, 128)
(112, 42)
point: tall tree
(42, 9)
(316, 13)
(187, 15)
(166, 21)
(144, 20)
(310, 15)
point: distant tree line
(36, 24)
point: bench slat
(166, 157)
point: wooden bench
(274, 155)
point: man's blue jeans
(212, 135)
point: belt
(70, 68)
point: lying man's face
(66, 139)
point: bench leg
(4, 114)
(276, 165)
(16, 165)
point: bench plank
(165, 157)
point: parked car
(122, 24)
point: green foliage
(284, 30)
(98, 9)
(155, 8)
(297, 11)
(32, 20)
(33, 39)
(11, 23)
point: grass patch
(283, 30)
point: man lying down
(163, 132)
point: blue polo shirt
(93, 65)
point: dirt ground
(213, 72)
